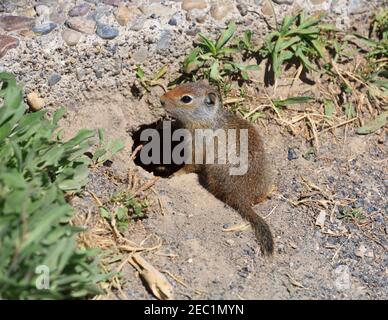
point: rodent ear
(211, 99)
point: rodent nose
(162, 102)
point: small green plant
(152, 81)
(106, 150)
(300, 38)
(353, 215)
(36, 169)
(123, 206)
(213, 59)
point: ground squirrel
(198, 106)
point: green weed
(36, 169)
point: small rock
(172, 22)
(193, 31)
(81, 24)
(34, 101)
(316, 2)
(122, 15)
(219, 10)
(98, 71)
(361, 250)
(112, 2)
(164, 40)
(320, 221)
(138, 24)
(291, 154)
(7, 43)
(243, 9)
(369, 254)
(140, 55)
(54, 79)
(267, 9)
(7, 6)
(12, 23)
(42, 10)
(156, 9)
(193, 4)
(284, 1)
(80, 73)
(58, 15)
(357, 7)
(197, 15)
(80, 10)
(342, 279)
(29, 12)
(44, 28)
(71, 37)
(230, 242)
(106, 32)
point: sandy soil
(344, 258)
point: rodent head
(192, 103)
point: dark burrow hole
(161, 169)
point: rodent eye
(186, 99)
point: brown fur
(238, 191)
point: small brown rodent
(198, 106)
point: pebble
(44, 28)
(80, 73)
(193, 4)
(106, 32)
(140, 55)
(164, 40)
(172, 22)
(219, 10)
(360, 252)
(243, 9)
(357, 7)
(6, 6)
(58, 15)
(291, 154)
(122, 15)
(80, 10)
(230, 242)
(316, 2)
(157, 9)
(112, 2)
(81, 24)
(42, 10)
(284, 1)
(197, 15)
(267, 9)
(7, 43)
(34, 101)
(54, 79)
(71, 37)
(12, 23)
(321, 218)
(342, 277)
(138, 24)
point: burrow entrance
(161, 169)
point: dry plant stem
(146, 186)
(314, 131)
(233, 100)
(175, 278)
(272, 211)
(340, 247)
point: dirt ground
(336, 259)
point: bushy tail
(262, 230)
